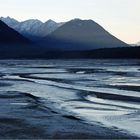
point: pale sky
(119, 17)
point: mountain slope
(9, 35)
(80, 35)
(14, 45)
(48, 27)
(29, 28)
(33, 29)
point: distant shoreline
(107, 53)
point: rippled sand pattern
(48, 98)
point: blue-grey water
(100, 92)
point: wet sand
(23, 116)
(69, 99)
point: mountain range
(75, 38)
(33, 29)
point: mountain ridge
(13, 45)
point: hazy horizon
(120, 18)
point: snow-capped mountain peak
(32, 22)
(33, 29)
(9, 21)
